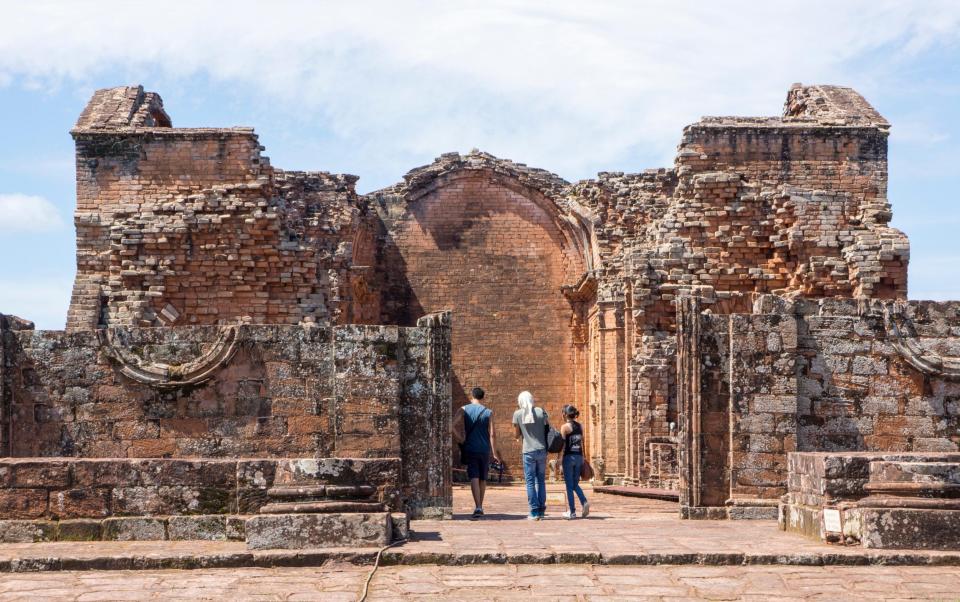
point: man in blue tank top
(473, 427)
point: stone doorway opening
(509, 263)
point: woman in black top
(572, 433)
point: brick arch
(497, 253)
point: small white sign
(831, 520)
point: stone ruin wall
(794, 206)
(194, 227)
(565, 289)
(280, 391)
(810, 376)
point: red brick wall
(496, 258)
(197, 220)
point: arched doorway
(499, 253)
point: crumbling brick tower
(794, 205)
(564, 289)
(194, 227)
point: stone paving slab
(336, 582)
(620, 531)
(669, 495)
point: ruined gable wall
(197, 221)
(481, 244)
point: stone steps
(321, 507)
(339, 492)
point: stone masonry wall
(763, 403)
(71, 488)
(566, 289)
(281, 391)
(833, 376)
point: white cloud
(26, 213)
(563, 84)
(43, 301)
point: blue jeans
(535, 474)
(571, 477)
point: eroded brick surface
(225, 308)
(564, 289)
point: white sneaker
(586, 509)
(569, 515)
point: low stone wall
(203, 393)
(878, 500)
(70, 488)
(806, 376)
(70, 499)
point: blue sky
(377, 88)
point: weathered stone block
(295, 531)
(136, 501)
(104, 473)
(400, 523)
(869, 365)
(54, 474)
(134, 529)
(205, 527)
(774, 404)
(27, 531)
(910, 528)
(236, 527)
(79, 530)
(22, 503)
(80, 503)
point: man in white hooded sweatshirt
(530, 425)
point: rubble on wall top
(125, 106)
(10, 322)
(128, 109)
(323, 178)
(542, 180)
(812, 106)
(827, 104)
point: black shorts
(478, 465)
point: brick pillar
(688, 399)
(608, 385)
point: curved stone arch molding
(575, 228)
(171, 376)
(928, 362)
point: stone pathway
(621, 530)
(498, 582)
(624, 526)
